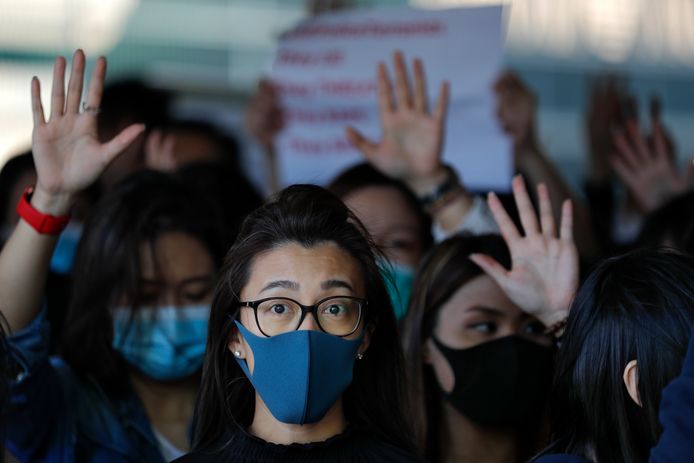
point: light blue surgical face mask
(165, 343)
(399, 279)
(299, 374)
(65, 249)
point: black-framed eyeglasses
(336, 315)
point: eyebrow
(486, 310)
(330, 284)
(286, 284)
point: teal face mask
(165, 343)
(399, 280)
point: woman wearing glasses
(303, 361)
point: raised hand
(649, 172)
(544, 267)
(410, 149)
(159, 151)
(264, 116)
(605, 112)
(516, 107)
(67, 153)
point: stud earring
(237, 354)
(360, 356)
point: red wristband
(45, 224)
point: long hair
(308, 215)
(107, 263)
(639, 306)
(10, 173)
(442, 272)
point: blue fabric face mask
(165, 343)
(65, 249)
(300, 374)
(399, 280)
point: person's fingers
(96, 83)
(360, 142)
(58, 90)
(566, 230)
(442, 103)
(421, 101)
(624, 172)
(120, 142)
(546, 214)
(152, 147)
(385, 90)
(625, 153)
(36, 105)
(506, 226)
(491, 267)
(402, 83)
(659, 145)
(525, 206)
(74, 86)
(168, 146)
(638, 141)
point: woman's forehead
(303, 268)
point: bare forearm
(271, 168)
(24, 263)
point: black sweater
(350, 447)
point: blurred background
(211, 53)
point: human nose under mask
(501, 382)
(165, 343)
(300, 374)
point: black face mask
(504, 382)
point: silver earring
(360, 356)
(237, 353)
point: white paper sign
(326, 71)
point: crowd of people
(157, 307)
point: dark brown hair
(442, 272)
(375, 402)
(107, 263)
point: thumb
(360, 142)
(120, 142)
(491, 267)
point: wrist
(424, 185)
(55, 204)
(451, 215)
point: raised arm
(649, 170)
(517, 111)
(265, 119)
(412, 142)
(68, 158)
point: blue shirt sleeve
(37, 415)
(677, 416)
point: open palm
(67, 153)
(649, 173)
(544, 268)
(412, 135)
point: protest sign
(325, 69)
